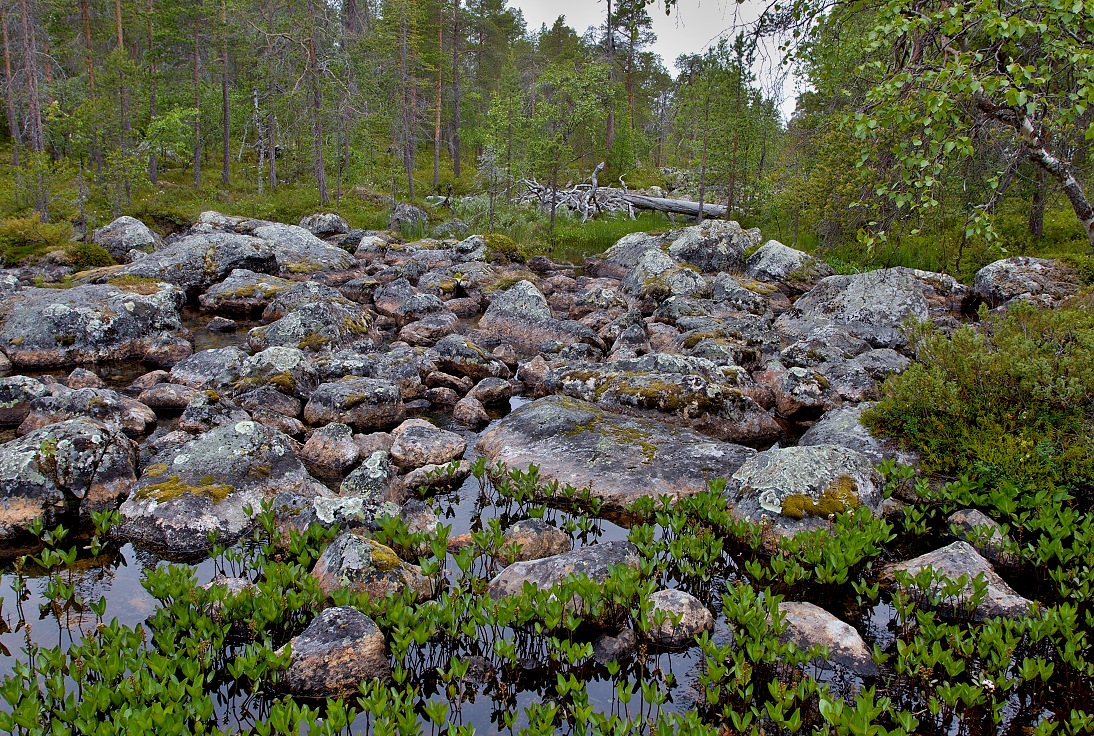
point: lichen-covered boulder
(727, 290)
(287, 369)
(92, 323)
(298, 251)
(318, 325)
(16, 394)
(685, 617)
(402, 302)
(419, 443)
(809, 625)
(458, 355)
(717, 245)
(800, 487)
(340, 649)
(774, 261)
(407, 215)
(684, 390)
(330, 451)
(204, 487)
(368, 404)
(301, 294)
(244, 293)
(657, 276)
(873, 305)
(1023, 277)
(123, 235)
(843, 426)
(63, 471)
(171, 396)
(365, 566)
(619, 459)
(109, 407)
(595, 562)
(531, 539)
(198, 261)
(373, 480)
(324, 224)
(209, 369)
(521, 316)
(951, 563)
(618, 260)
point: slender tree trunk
(225, 120)
(456, 89)
(1037, 206)
(554, 196)
(9, 91)
(437, 118)
(261, 139)
(271, 121)
(317, 110)
(123, 101)
(610, 126)
(85, 18)
(197, 101)
(352, 17)
(34, 110)
(703, 162)
(408, 113)
(153, 162)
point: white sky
(693, 25)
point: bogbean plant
(210, 661)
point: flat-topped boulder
(843, 426)
(1035, 279)
(243, 294)
(341, 648)
(689, 391)
(317, 325)
(809, 625)
(774, 261)
(108, 406)
(196, 262)
(299, 251)
(44, 328)
(204, 486)
(619, 459)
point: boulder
(843, 426)
(984, 533)
(63, 470)
(318, 325)
(801, 487)
(361, 565)
(407, 215)
(196, 262)
(873, 306)
(297, 251)
(595, 562)
(774, 261)
(691, 392)
(1023, 277)
(608, 648)
(658, 276)
(402, 302)
(83, 378)
(619, 459)
(123, 235)
(520, 316)
(324, 224)
(727, 290)
(93, 323)
(470, 412)
(717, 245)
(685, 617)
(373, 480)
(423, 444)
(330, 451)
(951, 563)
(341, 648)
(367, 404)
(171, 396)
(620, 259)
(210, 369)
(808, 625)
(430, 479)
(16, 394)
(531, 539)
(243, 294)
(287, 369)
(109, 407)
(205, 486)
(458, 355)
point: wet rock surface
(677, 617)
(809, 625)
(363, 565)
(341, 648)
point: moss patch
(135, 284)
(384, 558)
(839, 496)
(174, 487)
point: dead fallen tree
(589, 200)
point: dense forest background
(278, 108)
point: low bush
(23, 239)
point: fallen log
(674, 206)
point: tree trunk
(456, 89)
(226, 123)
(34, 110)
(85, 17)
(437, 119)
(352, 17)
(271, 121)
(408, 113)
(123, 101)
(153, 163)
(554, 196)
(1037, 206)
(197, 101)
(703, 163)
(9, 91)
(317, 109)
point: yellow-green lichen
(839, 496)
(314, 342)
(156, 470)
(384, 558)
(174, 487)
(135, 284)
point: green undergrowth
(204, 651)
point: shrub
(1012, 401)
(89, 255)
(25, 238)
